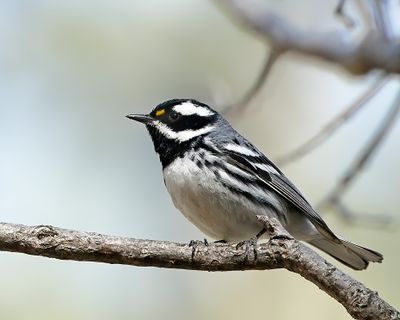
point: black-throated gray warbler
(220, 181)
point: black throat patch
(168, 149)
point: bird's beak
(143, 118)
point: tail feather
(350, 254)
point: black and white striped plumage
(220, 181)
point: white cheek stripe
(240, 149)
(183, 135)
(188, 108)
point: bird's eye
(174, 116)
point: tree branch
(282, 251)
(339, 11)
(373, 51)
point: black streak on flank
(199, 164)
(252, 198)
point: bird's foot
(196, 243)
(250, 247)
(247, 243)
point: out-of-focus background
(69, 73)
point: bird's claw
(248, 245)
(195, 243)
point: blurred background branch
(378, 48)
(340, 12)
(241, 105)
(375, 50)
(370, 149)
(281, 251)
(334, 124)
(71, 71)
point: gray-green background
(69, 73)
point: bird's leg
(263, 231)
(251, 243)
(252, 240)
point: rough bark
(281, 251)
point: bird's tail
(350, 254)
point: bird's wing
(258, 165)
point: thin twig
(334, 124)
(339, 11)
(365, 219)
(377, 15)
(282, 251)
(381, 17)
(334, 197)
(255, 88)
(383, 11)
(371, 52)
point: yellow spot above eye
(160, 112)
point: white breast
(203, 200)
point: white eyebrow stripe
(183, 135)
(188, 108)
(241, 149)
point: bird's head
(174, 124)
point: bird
(220, 182)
